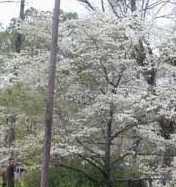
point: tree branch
(102, 5)
(120, 158)
(93, 164)
(113, 9)
(88, 4)
(90, 150)
(123, 130)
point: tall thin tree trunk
(18, 41)
(50, 99)
(22, 5)
(108, 169)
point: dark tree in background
(19, 36)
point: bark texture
(50, 99)
(19, 36)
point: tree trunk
(133, 5)
(18, 42)
(108, 179)
(4, 181)
(50, 99)
(10, 176)
(102, 5)
(22, 9)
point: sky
(9, 10)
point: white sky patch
(10, 10)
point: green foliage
(67, 177)
(58, 177)
(69, 15)
(20, 98)
(25, 106)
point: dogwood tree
(112, 110)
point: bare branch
(153, 5)
(106, 74)
(87, 148)
(113, 9)
(91, 162)
(120, 158)
(120, 77)
(102, 5)
(88, 4)
(128, 127)
(146, 7)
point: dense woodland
(107, 115)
